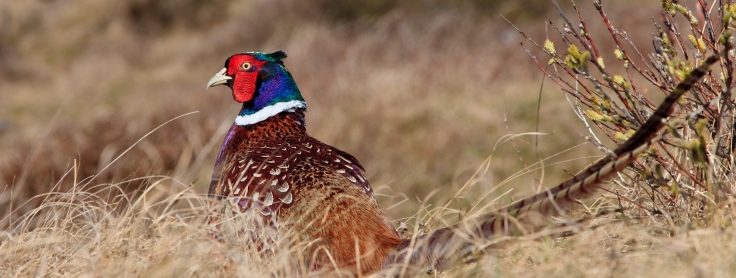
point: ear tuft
(278, 55)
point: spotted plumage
(262, 169)
(269, 167)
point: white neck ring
(269, 111)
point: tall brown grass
(391, 90)
(420, 94)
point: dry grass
(391, 92)
(418, 94)
(161, 235)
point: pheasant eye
(246, 66)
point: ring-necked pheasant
(268, 164)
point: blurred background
(416, 90)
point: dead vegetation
(419, 93)
(687, 178)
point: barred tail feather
(438, 249)
(443, 247)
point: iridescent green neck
(276, 92)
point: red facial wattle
(244, 78)
(244, 86)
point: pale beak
(219, 79)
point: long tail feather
(443, 247)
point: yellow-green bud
(550, 47)
(619, 54)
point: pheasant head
(261, 82)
